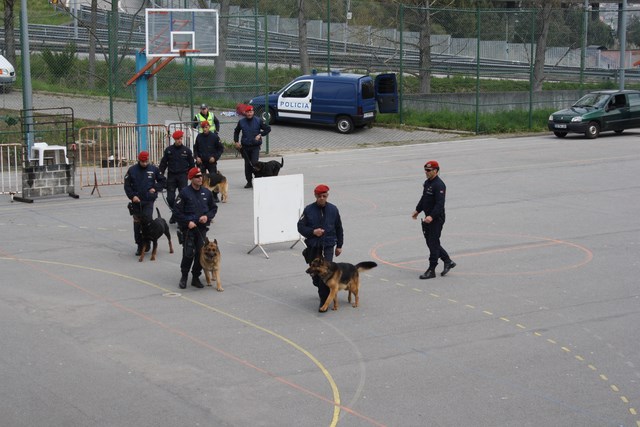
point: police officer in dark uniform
(321, 226)
(142, 183)
(253, 129)
(194, 210)
(432, 204)
(178, 159)
(207, 150)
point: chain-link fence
(451, 63)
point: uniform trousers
(432, 232)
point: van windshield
(368, 91)
(298, 90)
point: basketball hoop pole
(142, 102)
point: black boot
(429, 274)
(183, 281)
(447, 266)
(196, 283)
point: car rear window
(634, 99)
(368, 91)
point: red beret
(143, 156)
(204, 123)
(321, 189)
(193, 172)
(249, 108)
(177, 134)
(432, 164)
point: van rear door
(387, 93)
(295, 101)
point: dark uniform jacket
(327, 218)
(138, 181)
(177, 159)
(191, 204)
(207, 146)
(250, 129)
(432, 200)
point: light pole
(346, 24)
(27, 92)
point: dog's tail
(281, 161)
(158, 210)
(366, 265)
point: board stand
(258, 245)
(95, 185)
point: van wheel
(593, 130)
(344, 124)
(560, 134)
(271, 116)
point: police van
(7, 73)
(345, 101)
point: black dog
(151, 230)
(270, 168)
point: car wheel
(344, 124)
(560, 134)
(593, 130)
(619, 131)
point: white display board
(278, 202)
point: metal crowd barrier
(10, 168)
(104, 153)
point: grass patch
(488, 123)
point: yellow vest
(201, 119)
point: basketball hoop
(187, 52)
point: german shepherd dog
(339, 276)
(151, 230)
(265, 169)
(218, 184)
(210, 262)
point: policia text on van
(342, 100)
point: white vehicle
(7, 73)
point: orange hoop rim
(184, 52)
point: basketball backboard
(181, 32)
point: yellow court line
(325, 372)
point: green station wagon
(597, 112)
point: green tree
(60, 64)
(633, 31)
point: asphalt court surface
(536, 326)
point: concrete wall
(491, 102)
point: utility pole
(27, 91)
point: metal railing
(11, 168)
(105, 153)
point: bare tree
(92, 44)
(9, 31)
(422, 19)
(221, 61)
(302, 39)
(544, 19)
(424, 47)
